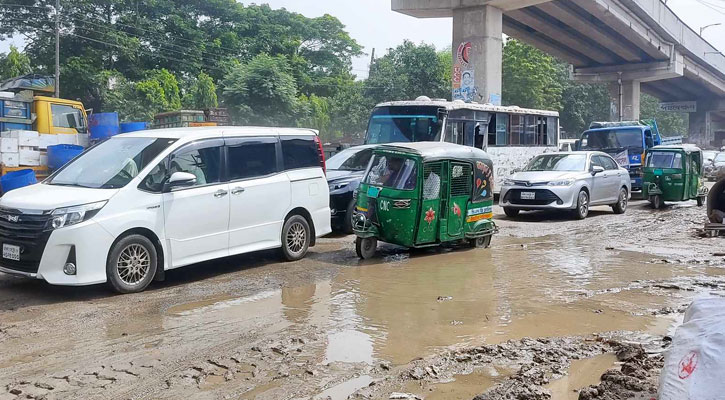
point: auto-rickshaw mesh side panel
(461, 180)
(432, 181)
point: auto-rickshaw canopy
(436, 151)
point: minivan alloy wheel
(133, 264)
(296, 237)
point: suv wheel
(131, 264)
(347, 224)
(296, 235)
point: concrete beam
(629, 25)
(515, 30)
(444, 8)
(667, 24)
(713, 82)
(582, 25)
(556, 33)
(643, 72)
(654, 89)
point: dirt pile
(637, 378)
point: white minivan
(141, 203)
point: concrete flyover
(632, 45)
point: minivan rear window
(252, 159)
(299, 152)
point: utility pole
(372, 61)
(57, 48)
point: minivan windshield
(111, 164)
(558, 162)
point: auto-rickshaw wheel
(701, 201)
(656, 201)
(483, 242)
(366, 247)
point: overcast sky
(374, 25)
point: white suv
(138, 204)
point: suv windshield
(350, 160)
(111, 164)
(558, 162)
(393, 172)
(404, 124)
(720, 157)
(613, 139)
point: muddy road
(545, 312)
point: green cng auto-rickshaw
(674, 173)
(425, 194)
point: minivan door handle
(220, 193)
(237, 190)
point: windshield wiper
(71, 185)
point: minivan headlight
(68, 216)
(562, 182)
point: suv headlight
(508, 182)
(563, 182)
(68, 216)
(341, 185)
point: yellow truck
(59, 116)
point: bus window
(517, 128)
(552, 131)
(530, 131)
(491, 131)
(502, 129)
(455, 132)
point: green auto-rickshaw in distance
(674, 173)
(424, 194)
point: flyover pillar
(624, 99)
(700, 127)
(477, 54)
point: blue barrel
(133, 126)
(103, 126)
(60, 154)
(17, 179)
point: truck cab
(626, 143)
(53, 116)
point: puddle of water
(465, 387)
(582, 374)
(389, 308)
(345, 389)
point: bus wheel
(656, 201)
(366, 247)
(481, 242)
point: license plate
(528, 195)
(11, 252)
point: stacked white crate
(20, 148)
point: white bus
(511, 135)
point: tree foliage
(14, 63)
(262, 91)
(531, 78)
(668, 123)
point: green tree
(313, 112)
(262, 91)
(14, 64)
(531, 78)
(668, 123)
(409, 71)
(202, 93)
(582, 104)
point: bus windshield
(612, 139)
(404, 124)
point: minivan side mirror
(597, 170)
(179, 179)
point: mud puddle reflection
(582, 373)
(403, 306)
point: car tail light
(321, 153)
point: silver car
(571, 181)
